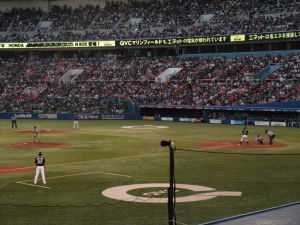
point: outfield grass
(103, 155)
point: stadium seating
(211, 82)
(172, 18)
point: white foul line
(97, 160)
(70, 175)
(34, 185)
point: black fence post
(171, 190)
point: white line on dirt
(69, 175)
(33, 185)
(134, 136)
(97, 160)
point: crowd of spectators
(87, 17)
(230, 82)
(150, 19)
(33, 85)
(25, 19)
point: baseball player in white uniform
(40, 163)
(36, 135)
(244, 139)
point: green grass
(102, 151)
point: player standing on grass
(75, 121)
(14, 121)
(36, 135)
(40, 163)
(244, 136)
(271, 136)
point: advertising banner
(215, 121)
(148, 118)
(237, 122)
(167, 118)
(278, 124)
(70, 116)
(262, 123)
(192, 120)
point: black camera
(165, 143)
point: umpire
(14, 121)
(271, 136)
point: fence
(102, 214)
(212, 185)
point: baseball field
(116, 172)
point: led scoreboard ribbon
(273, 36)
(236, 38)
(246, 38)
(58, 44)
(173, 41)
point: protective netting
(232, 183)
(102, 214)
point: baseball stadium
(149, 112)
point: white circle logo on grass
(120, 193)
(145, 127)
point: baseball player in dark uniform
(271, 136)
(14, 121)
(244, 136)
(75, 121)
(245, 131)
(260, 139)
(40, 163)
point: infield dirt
(38, 145)
(237, 145)
(14, 169)
(48, 131)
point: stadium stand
(202, 81)
(150, 20)
(220, 81)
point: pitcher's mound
(48, 131)
(38, 145)
(236, 144)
